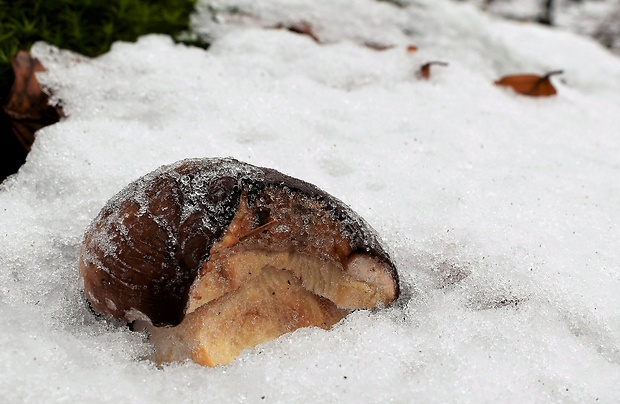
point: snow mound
(501, 211)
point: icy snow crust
(500, 211)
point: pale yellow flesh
(246, 295)
(367, 284)
(267, 306)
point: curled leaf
(530, 84)
(301, 27)
(28, 106)
(378, 46)
(425, 70)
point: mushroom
(213, 256)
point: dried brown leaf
(378, 46)
(530, 84)
(425, 70)
(302, 28)
(28, 106)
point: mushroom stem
(264, 308)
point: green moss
(85, 26)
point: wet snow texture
(501, 211)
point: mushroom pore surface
(212, 256)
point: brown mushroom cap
(189, 234)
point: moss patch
(88, 27)
(85, 26)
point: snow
(500, 211)
(594, 18)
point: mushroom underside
(264, 308)
(248, 293)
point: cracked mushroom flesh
(212, 256)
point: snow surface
(596, 18)
(501, 211)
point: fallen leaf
(302, 27)
(412, 48)
(28, 106)
(425, 70)
(530, 84)
(377, 46)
